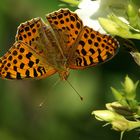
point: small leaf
(132, 14)
(115, 28)
(115, 19)
(106, 115)
(71, 2)
(130, 88)
(118, 95)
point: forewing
(32, 33)
(68, 24)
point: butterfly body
(41, 49)
(54, 55)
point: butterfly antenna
(44, 100)
(74, 90)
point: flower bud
(136, 56)
(117, 94)
(118, 122)
(130, 88)
(120, 109)
(106, 115)
(120, 125)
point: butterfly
(43, 49)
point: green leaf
(71, 2)
(115, 19)
(133, 17)
(117, 27)
(117, 95)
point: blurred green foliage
(63, 116)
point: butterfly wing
(84, 47)
(92, 48)
(27, 57)
(69, 26)
(21, 62)
(32, 33)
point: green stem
(133, 125)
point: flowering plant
(122, 114)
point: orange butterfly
(41, 50)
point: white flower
(89, 11)
(87, 8)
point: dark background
(63, 116)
